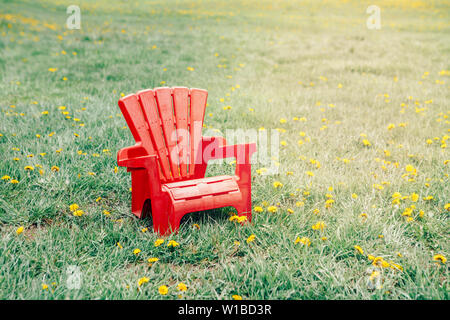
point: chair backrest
(168, 122)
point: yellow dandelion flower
(304, 240)
(359, 249)
(78, 213)
(242, 219)
(396, 266)
(320, 225)
(158, 242)
(163, 290)
(396, 195)
(258, 209)
(19, 230)
(55, 169)
(378, 186)
(277, 184)
(414, 197)
(181, 287)
(143, 280)
(385, 264)
(251, 238)
(329, 203)
(299, 204)
(152, 260)
(173, 243)
(440, 258)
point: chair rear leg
(160, 215)
(175, 221)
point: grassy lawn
(363, 118)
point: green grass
(284, 60)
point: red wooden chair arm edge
(131, 152)
(144, 162)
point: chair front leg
(140, 191)
(243, 171)
(175, 220)
(161, 207)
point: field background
(299, 66)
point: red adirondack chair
(169, 160)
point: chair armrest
(144, 162)
(241, 152)
(130, 153)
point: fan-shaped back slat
(197, 113)
(148, 104)
(165, 107)
(136, 121)
(180, 106)
(168, 122)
